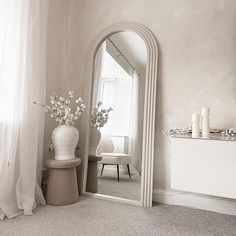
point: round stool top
(94, 158)
(57, 164)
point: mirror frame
(149, 110)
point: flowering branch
(61, 111)
(100, 116)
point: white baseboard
(199, 201)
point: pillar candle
(195, 125)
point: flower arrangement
(60, 109)
(100, 116)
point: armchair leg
(118, 177)
(102, 169)
(128, 171)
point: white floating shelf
(206, 166)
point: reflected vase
(65, 139)
(95, 138)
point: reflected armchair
(109, 157)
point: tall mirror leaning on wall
(115, 152)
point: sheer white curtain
(98, 68)
(22, 81)
(135, 137)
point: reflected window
(116, 92)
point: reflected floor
(125, 188)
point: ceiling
(132, 46)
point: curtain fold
(135, 134)
(98, 68)
(22, 81)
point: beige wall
(55, 43)
(197, 43)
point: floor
(125, 188)
(98, 217)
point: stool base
(62, 186)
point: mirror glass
(115, 152)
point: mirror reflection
(115, 153)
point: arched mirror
(120, 150)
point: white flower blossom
(61, 99)
(71, 94)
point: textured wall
(55, 43)
(197, 44)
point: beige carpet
(125, 188)
(97, 217)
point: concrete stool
(92, 174)
(62, 186)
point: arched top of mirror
(133, 27)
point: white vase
(95, 137)
(65, 139)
